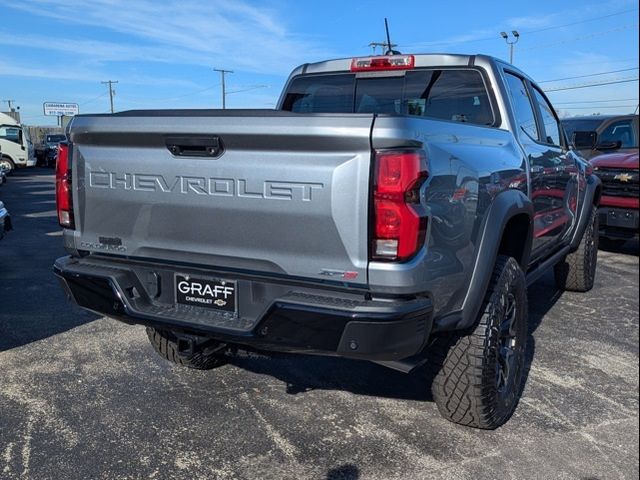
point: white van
(16, 148)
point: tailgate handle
(209, 147)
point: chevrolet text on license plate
(209, 293)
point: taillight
(64, 196)
(386, 62)
(400, 221)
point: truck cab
(15, 145)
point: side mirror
(584, 140)
(608, 145)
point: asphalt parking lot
(86, 397)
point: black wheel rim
(591, 250)
(508, 346)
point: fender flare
(591, 200)
(505, 206)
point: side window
(621, 131)
(456, 95)
(551, 127)
(523, 109)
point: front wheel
(480, 373)
(7, 165)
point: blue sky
(163, 52)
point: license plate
(208, 293)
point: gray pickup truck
(391, 209)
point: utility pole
(511, 43)
(382, 46)
(111, 91)
(224, 92)
(8, 102)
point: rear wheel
(479, 374)
(577, 271)
(7, 165)
(201, 355)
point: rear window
(458, 95)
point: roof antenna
(390, 50)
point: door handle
(192, 146)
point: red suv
(619, 205)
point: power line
(597, 101)
(253, 87)
(93, 99)
(634, 60)
(581, 21)
(584, 37)
(554, 27)
(599, 107)
(589, 75)
(587, 85)
(159, 99)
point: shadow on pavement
(32, 304)
(304, 373)
(630, 247)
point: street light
(511, 43)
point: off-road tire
(577, 271)
(165, 343)
(466, 386)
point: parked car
(597, 134)
(5, 221)
(391, 209)
(51, 148)
(620, 203)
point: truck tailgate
(287, 193)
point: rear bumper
(619, 222)
(298, 319)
